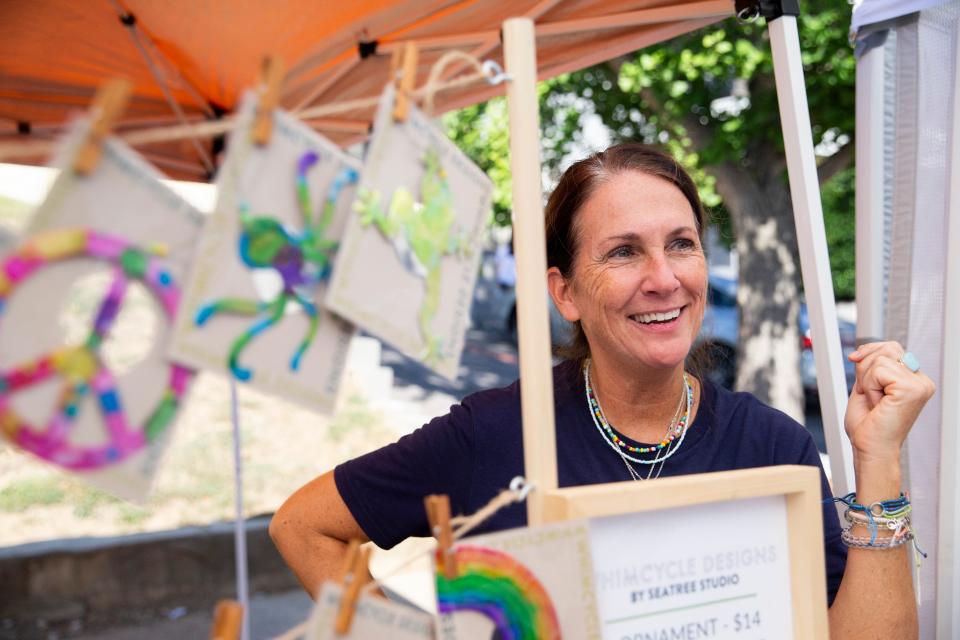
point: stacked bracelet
(893, 515)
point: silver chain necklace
(599, 420)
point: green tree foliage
(481, 132)
(838, 206)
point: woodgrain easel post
(533, 329)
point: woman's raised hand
(886, 400)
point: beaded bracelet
(868, 543)
(894, 514)
(896, 509)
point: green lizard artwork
(422, 233)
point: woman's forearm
(876, 597)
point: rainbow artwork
(80, 368)
(500, 588)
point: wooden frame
(800, 485)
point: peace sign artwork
(411, 250)
(115, 243)
(253, 302)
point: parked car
(721, 329)
(808, 372)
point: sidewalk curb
(47, 585)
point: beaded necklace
(618, 445)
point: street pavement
(271, 615)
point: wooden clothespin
(405, 83)
(108, 105)
(354, 575)
(438, 515)
(271, 77)
(227, 620)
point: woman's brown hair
(576, 186)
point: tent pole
(948, 559)
(533, 329)
(869, 196)
(812, 241)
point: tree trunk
(768, 293)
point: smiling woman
(626, 266)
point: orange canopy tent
(198, 58)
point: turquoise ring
(910, 361)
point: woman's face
(639, 278)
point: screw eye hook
(521, 487)
(494, 72)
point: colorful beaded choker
(673, 430)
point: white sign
(694, 572)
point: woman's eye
(683, 244)
(623, 251)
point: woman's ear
(560, 291)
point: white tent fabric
(919, 71)
(866, 12)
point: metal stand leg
(812, 239)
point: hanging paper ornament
(80, 368)
(64, 401)
(411, 251)
(510, 585)
(253, 302)
(501, 589)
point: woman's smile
(659, 321)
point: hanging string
(518, 492)
(484, 71)
(489, 72)
(129, 20)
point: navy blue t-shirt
(472, 453)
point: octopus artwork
(302, 259)
(422, 232)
